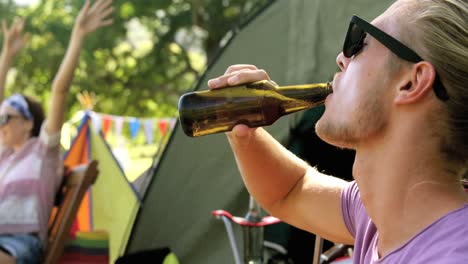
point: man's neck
(404, 187)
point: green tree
(139, 66)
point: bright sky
(26, 2)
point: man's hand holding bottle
(235, 75)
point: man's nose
(342, 61)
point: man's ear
(416, 84)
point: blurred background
(140, 65)
(135, 69)
(129, 80)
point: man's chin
(330, 135)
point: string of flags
(105, 122)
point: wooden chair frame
(73, 189)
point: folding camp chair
(73, 188)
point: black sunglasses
(358, 28)
(5, 118)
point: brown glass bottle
(254, 104)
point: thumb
(240, 133)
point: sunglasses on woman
(5, 118)
(354, 42)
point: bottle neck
(307, 92)
(300, 97)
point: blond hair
(438, 31)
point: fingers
(238, 67)
(20, 25)
(93, 7)
(101, 7)
(14, 39)
(102, 15)
(106, 22)
(238, 74)
(100, 11)
(235, 75)
(85, 7)
(94, 16)
(104, 11)
(107, 4)
(16, 28)
(240, 132)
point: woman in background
(30, 159)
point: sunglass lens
(353, 41)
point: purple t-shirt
(445, 241)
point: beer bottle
(253, 104)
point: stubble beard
(363, 122)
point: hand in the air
(93, 16)
(13, 38)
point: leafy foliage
(140, 65)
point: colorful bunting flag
(118, 124)
(96, 119)
(149, 130)
(106, 124)
(173, 122)
(134, 127)
(163, 124)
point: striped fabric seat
(87, 247)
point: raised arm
(285, 186)
(13, 41)
(90, 18)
